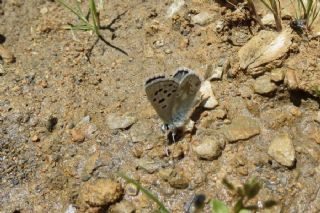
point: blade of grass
(95, 16)
(162, 208)
(73, 11)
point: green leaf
(229, 185)
(239, 205)
(251, 188)
(219, 207)
(244, 211)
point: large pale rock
(241, 128)
(281, 149)
(263, 48)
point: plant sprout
(275, 7)
(84, 19)
(244, 194)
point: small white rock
(217, 73)
(282, 150)
(71, 209)
(209, 149)
(115, 121)
(202, 18)
(175, 7)
(209, 101)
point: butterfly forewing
(181, 73)
(161, 92)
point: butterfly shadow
(106, 42)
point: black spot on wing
(161, 100)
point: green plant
(275, 7)
(93, 25)
(161, 207)
(244, 194)
(85, 23)
(306, 11)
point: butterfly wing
(161, 93)
(186, 97)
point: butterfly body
(173, 98)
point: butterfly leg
(173, 136)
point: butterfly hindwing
(161, 92)
(186, 97)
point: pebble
(77, 135)
(281, 149)
(35, 138)
(123, 206)
(178, 152)
(148, 165)
(89, 130)
(277, 75)
(99, 193)
(217, 73)
(167, 51)
(44, 10)
(6, 55)
(178, 180)
(219, 25)
(291, 80)
(159, 43)
(115, 121)
(241, 128)
(202, 19)
(264, 86)
(71, 209)
(209, 101)
(209, 148)
(132, 189)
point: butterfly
(173, 98)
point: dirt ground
(61, 96)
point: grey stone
(264, 86)
(115, 121)
(281, 149)
(241, 128)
